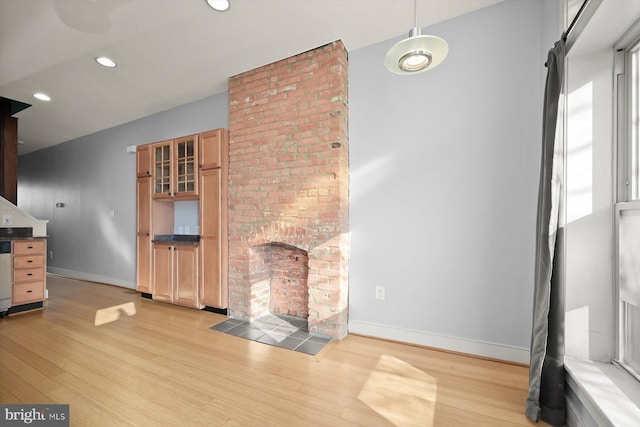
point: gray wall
(444, 178)
(94, 174)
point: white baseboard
(79, 275)
(461, 345)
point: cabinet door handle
(147, 234)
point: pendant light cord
(415, 13)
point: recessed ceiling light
(42, 96)
(105, 62)
(220, 5)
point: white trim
(428, 339)
(573, 420)
(629, 37)
(79, 275)
(609, 395)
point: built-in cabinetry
(28, 265)
(194, 167)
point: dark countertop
(180, 239)
(18, 233)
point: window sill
(610, 395)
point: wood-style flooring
(119, 360)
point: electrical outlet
(50, 254)
(380, 293)
(6, 220)
(112, 213)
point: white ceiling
(169, 52)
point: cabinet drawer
(26, 247)
(28, 292)
(28, 261)
(28, 274)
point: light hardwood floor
(118, 359)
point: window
(628, 213)
(633, 58)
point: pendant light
(416, 53)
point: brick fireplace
(289, 189)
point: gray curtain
(546, 399)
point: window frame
(626, 164)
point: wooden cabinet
(212, 238)
(143, 161)
(192, 168)
(186, 166)
(213, 218)
(212, 148)
(175, 274)
(162, 154)
(29, 278)
(211, 291)
(162, 272)
(185, 275)
(175, 168)
(143, 234)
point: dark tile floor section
(281, 331)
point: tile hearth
(278, 330)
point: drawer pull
(29, 291)
(30, 247)
(29, 274)
(30, 260)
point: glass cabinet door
(186, 170)
(162, 169)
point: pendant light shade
(416, 53)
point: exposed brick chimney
(289, 187)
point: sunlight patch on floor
(402, 394)
(111, 314)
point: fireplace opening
(280, 277)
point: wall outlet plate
(6, 220)
(380, 293)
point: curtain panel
(546, 400)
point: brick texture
(289, 185)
